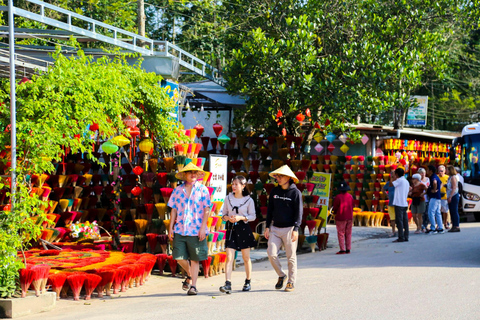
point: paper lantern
(131, 121)
(300, 117)
(344, 148)
(330, 136)
(364, 139)
(199, 129)
(138, 170)
(318, 137)
(223, 139)
(109, 147)
(217, 127)
(146, 145)
(331, 147)
(120, 141)
(136, 191)
(318, 148)
(94, 126)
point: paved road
(429, 277)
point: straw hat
(190, 167)
(286, 171)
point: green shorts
(189, 248)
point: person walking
(238, 209)
(284, 215)
(401, 205)
(417, 193)
(433, 192)
(343, 210)
(453, 197)
(426, 182)
(443, 192)
(390, 189)
(190, 203)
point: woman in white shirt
(238, 210)
(426, 182)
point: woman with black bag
(238, 210)
(417, 193)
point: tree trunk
(141, 21)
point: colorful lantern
(109, 147)
(217, 127)
(223, 139)
(199, 129)
(131, 121)
(146, 145)
(120, 141)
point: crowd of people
(434, 195)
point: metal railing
(150, 48)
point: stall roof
(389, 131)
(211, 94)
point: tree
(340, 60)
(54, 111)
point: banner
(417, 115)
(322, 183)
(218, 167)
(173, 91)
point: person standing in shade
(190, 203)
(426, 182)
(343, 210)
(390, 189)
(401, 205)
(433, 192)
(238, 209)
(284, 215)
(453, 198)
(444, 209)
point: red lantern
(327, 122)
(134, 132)
(317, 126)
(136, 191)
(308, 113)
(300, 117)
(137, 170)
(284, 132)
(217, 127)
(199, 129)
(94, 127)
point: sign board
(218, 167)
(322, 183)
(173, 91)
(417, 115)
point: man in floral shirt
(190, 203)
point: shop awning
(211, 95)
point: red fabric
(343, 207)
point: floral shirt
(189, 209)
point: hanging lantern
(317, 126)
(131, 121)
(344, 148)
(331, 147)
(199, 129)
(136, 191)
(300, 117)
(223, 139)
(120, 141)
(318, 137)
(146, 145)
(327, 122)
(308, 113)
(217, 127)
(343, 138)
(137, 170)
(109, 147)
(318, 148)
(330, 136)
(94, 127)
(364, 139)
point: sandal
(192, 291)
(185, 284)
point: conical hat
(190, 167)
(286, 171)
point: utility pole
(141, 20)
(433, 109)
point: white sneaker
(441, 231)
(434, 232)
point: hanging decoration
(217, 128)
(364, 139)
(344, 148)
(199, 129)
(318, 148)
(330, 137)
(331, 147)
(343, 138)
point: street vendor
(190, 203)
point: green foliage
(53, 114)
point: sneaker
(347, 251)
(289, 287)
(341, 252)
(192, 291)
(433, 232)
(279, 284)
(227, 288)
(247, 286)
(441, 231)
(454, 229)
(398, 240)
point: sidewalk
(358, 234)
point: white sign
(417, 115)
(218, 168)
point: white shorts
(444, 206)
